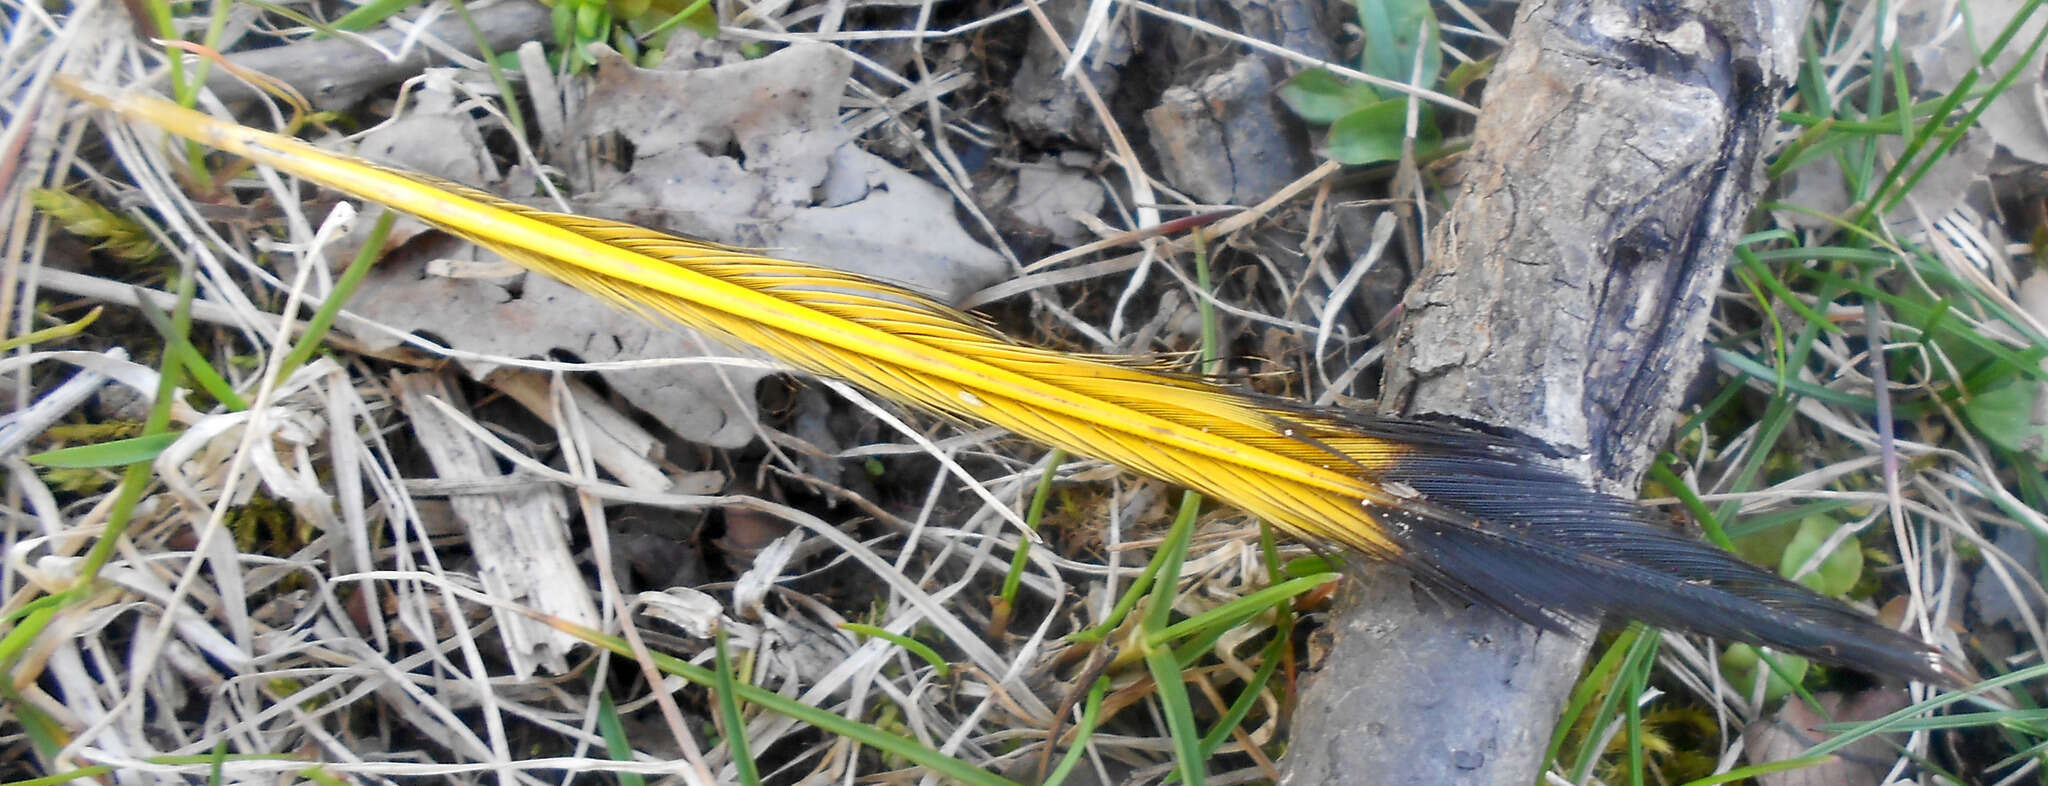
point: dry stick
(210, 527)
(29, 422)
(1244, 738)
(1522, 321)
(1217, 233)
(18, 258)
(1141, 186)
(1098, 661)
(1880, 389)
(579, 461)
(334, 71)
(105, 291)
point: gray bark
(334, 73)
(1615, 162)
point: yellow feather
(884, 338)
(1466, 510)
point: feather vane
(1472, 512)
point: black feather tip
(1500, 529)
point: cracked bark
(1614, 164)
(335, 73)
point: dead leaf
(1947, 52)
(1796, 727)
(1819, 186)
(749, 153)
(752, 154)
(1049, 195)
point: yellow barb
(884, 338)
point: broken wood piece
(1615, 162)
(520, 537)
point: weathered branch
(1614, 165)
(336, 72)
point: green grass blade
(220, 760)
(1777, 414)
(34, 621)
(352, 277)
(1794, 387)
(107, 454)
(1091, 713)
(1013, 580)
(946, 767)
(1607, 682)
(1165, 562)
(699, 16)
(1784, 294)
(615, 743)
(1180, 715)
(1174, 550)
(135, 479)
(735, 721)
(1246, 698)
(1242, 608)
(1632, 722)
(1956, 130)
(513, 114)
(178, 344)
(369, 15)
(2034, 721)
(1662, 473)
(1752, 771)
(914, 646)
(67, 776)
(65, 330)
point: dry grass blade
(1470, 511)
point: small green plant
(640, 29)
(1367, 124)
(2004, 415)
(1742, 663)
(1837, 572)
(116, 234)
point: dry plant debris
(302, 588)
